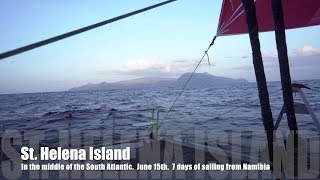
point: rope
(200, 123)
(186, 83)
(207, 57)
(75, 32)
(314, 90)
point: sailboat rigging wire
(186, 83)
(78, 31)
(314, 90)
(224, 113)
(208, 57)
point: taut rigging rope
(186, 83)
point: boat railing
(74, 131)
(146, 123)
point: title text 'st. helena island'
(76, 154)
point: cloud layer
(305, 50)
(152, 68)
(308, 50)
(304, 63)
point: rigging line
(234, 18)
(206, 52)
(186, 83)
(231, 17)
(203, 122)
(222, 32)
(78, 31)
(314, 90)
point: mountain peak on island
(207, 79)
(198, 80)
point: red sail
(297, 13)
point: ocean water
(196, 109)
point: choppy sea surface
(196, 108)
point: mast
(266, 112)
(284, 63)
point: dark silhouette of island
(198, 80)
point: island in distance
(198, 80)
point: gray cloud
(308, 50)
(152, 68)
(301, 66)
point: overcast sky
(164, 42)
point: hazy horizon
(67, 90)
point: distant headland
(198, 80)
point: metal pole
(313, 116)
(153, 125)
(279, 118)
(266, 112)
(3, 129)
(113, 127)
(69, 131)
(158, 118)
(284, 63)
